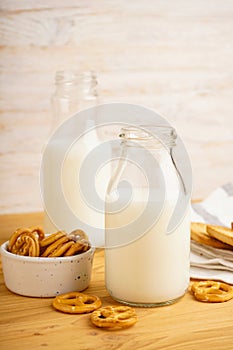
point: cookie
(223, 234)
(200, 234)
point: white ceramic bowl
(46, 277)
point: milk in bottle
(144, 264)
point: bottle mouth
(73, 82)
(68, 77)
(151, 136)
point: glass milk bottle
(74, 91)
(145, 263)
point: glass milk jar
(147, 243)
(74, 92)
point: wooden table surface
(32, 323)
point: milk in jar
(64, 195)
(145, 265)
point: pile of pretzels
(31, 241)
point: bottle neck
(74, 91)
(159, 140)
(83, 84)
(149, 136)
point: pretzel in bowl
(25, 241)
(61, 244)
(52, 238)
(77, 248)
(31, 241)
(76, 303)
(51, 245)
(78, 235)
(212, 291)
(114, 317)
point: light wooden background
(173, 56)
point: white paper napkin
(207, 262)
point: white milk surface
(70, 198)
(153, 267)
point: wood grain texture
(33, 323)
(174, 57)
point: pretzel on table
(76, 303)
(114, 317)
(212, 291)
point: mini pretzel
(60, 250)
(77, 247)
(54, 246)
(76, 303)
(212, 291)
(52, 238)
(114, 317)
(26, 244)
(38, 230)
(21, 245)
(61, 244)
(78, 235)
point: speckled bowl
(46, 277)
